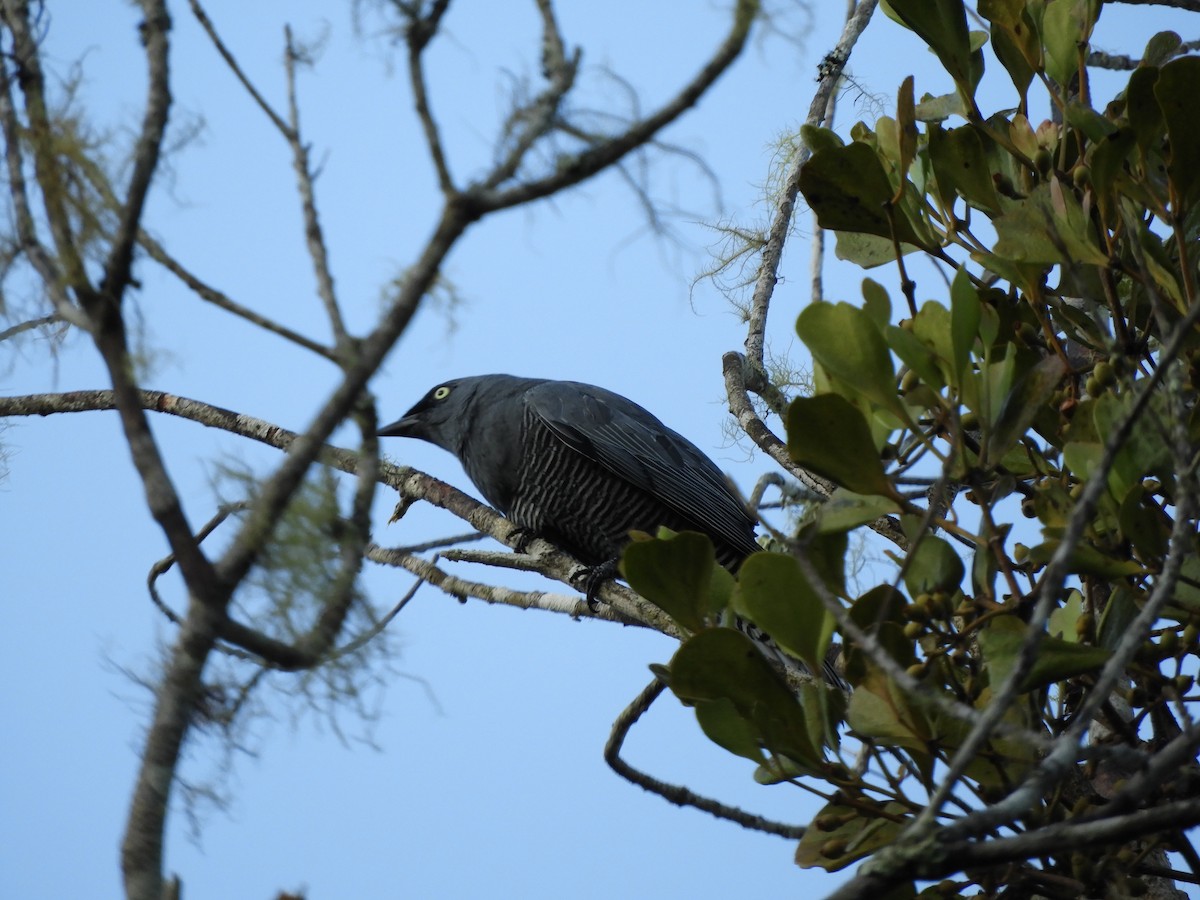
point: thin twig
(674, 793)
(22, 327)
(318, 250)
(573, 170)
(419, 33)
(231, 61)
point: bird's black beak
(409, 426)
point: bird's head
(440, 417)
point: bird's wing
(633, 444)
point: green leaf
(1176, 93)
(1014, 40)
(964, 319)
(721, 663)
(817, 138)
(1107, 160)
(876, 303)
(1007, 13)
(848, 190)
(1087, 560)
(1187, 591)
(828, 435)
(932, 327)
(720, 722)
(942, 24)
(846, 343)
(1063, 28)
(1022, 404)
(878, 709)
(868, 251)
(1141, 105)
(940, 108)
(1046, 227)
(846, 510)
(1118, 615)
(1143, 524)
(774, 594)
(859, 833)
(906, 132)
(934, 566)
(674, 574)
(1056, 660)
(1062, 620)
(1161, 48)
(917, 355)
(960, 165)
(1144, 452)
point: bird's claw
(521, 538)
(594, 578)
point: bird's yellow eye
(441, 393)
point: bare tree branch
(781, 224)
(155, 24)
(1189, 5)
(674, 793)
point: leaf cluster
(1051, 393)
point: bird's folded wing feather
(633, 444)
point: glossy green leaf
(848, 345)
(1064, 619)
(964, 319)
(817, 138)
(860, 832)
(1087, 560)
(960, 165)
(1107, 160)
(828, 435)
(846, 510)
(906, 132)
(868, 251)
(1143, 524)
(721, 663)
(876, 303)
(1178, 82)
(934, 566)
(848, 190)
(1141, 105)
(674, 574)
(942, 24)
(1118, 615)
(720, 722)
(1021, 406)
(1056, 660)
(1064, 26)
(1015, 42)
(774, 594)
(878, 709)
(916, 355)
(1161, 48)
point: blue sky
(488, 778)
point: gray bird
(580, 466)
